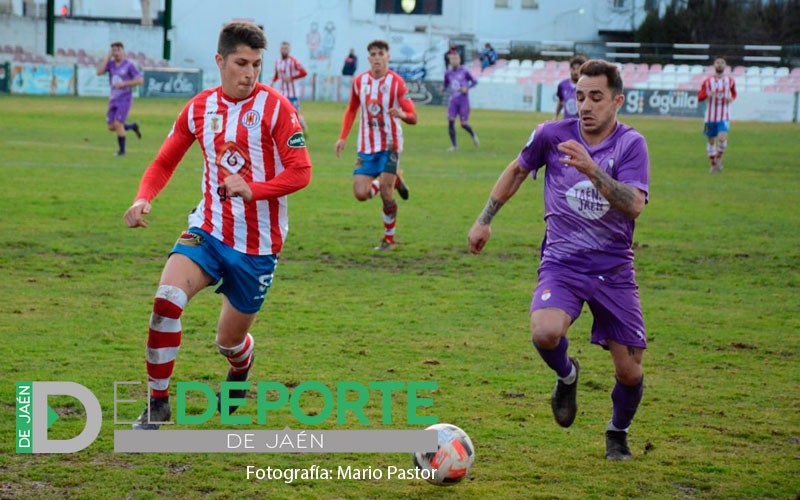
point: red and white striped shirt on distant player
(717, 90)
(376, 96)
(260, 139)
(288, 68)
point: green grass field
(718, 264)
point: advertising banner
(172, 82)
(662, 103)
(42, 79)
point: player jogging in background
(254, 156)
(458, 80)
(720, 91)
(380, 94)
(122, 76)
(287, 70)
(566, 90)
(596, 177)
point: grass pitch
(718, 263)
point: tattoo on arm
(490, 210)
(631, 351)
(619, 195)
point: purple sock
(121, 142)
(557, 358)
(625, 401)
(468, 129)
(451, 127)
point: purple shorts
(118, 109)
(613, 299)
(458, 106)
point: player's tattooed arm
(490, 210)
(627, 199)
(507, 185)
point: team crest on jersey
(546, 295)
(251, 119)
(214, 123)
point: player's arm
(506, 186)
(293, 155)
(275, 76)
(102, 66)
(347, 120)
(407, 112)
(301, 72)
(471, 80)
(559, 106)
(733, 90)
(627, 199)
(159, 172)
(703, 94)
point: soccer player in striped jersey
(380, 93)
(287, 70)
(720, 91)
(254, 155)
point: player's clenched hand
(478, 236)
(397, 113)
(339, 147)
(577, 156)
(236, 186)
(133, 216)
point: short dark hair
(117, 44)
(579, 60)
(378, 44)
(240, 33)
(597, 67)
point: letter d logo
(40, 413)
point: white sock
(570, 379)
(610, 427)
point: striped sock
(389, 220)
(164, 337)
(711, 149)
(374, 188)
(240, 357)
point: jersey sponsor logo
(585, 200)
(214, 122)
(233, 159)
(251, 119)
(374, 108)
(296, 141)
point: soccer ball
(453, 459)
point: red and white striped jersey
(260, 139)
(378, 130)
(288, 68)
(717, 90)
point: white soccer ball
(452, 461)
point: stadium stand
(642, 75)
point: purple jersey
(583, 232)
(122, 72)
(566, 94)
(455, 80)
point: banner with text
(172, 82)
